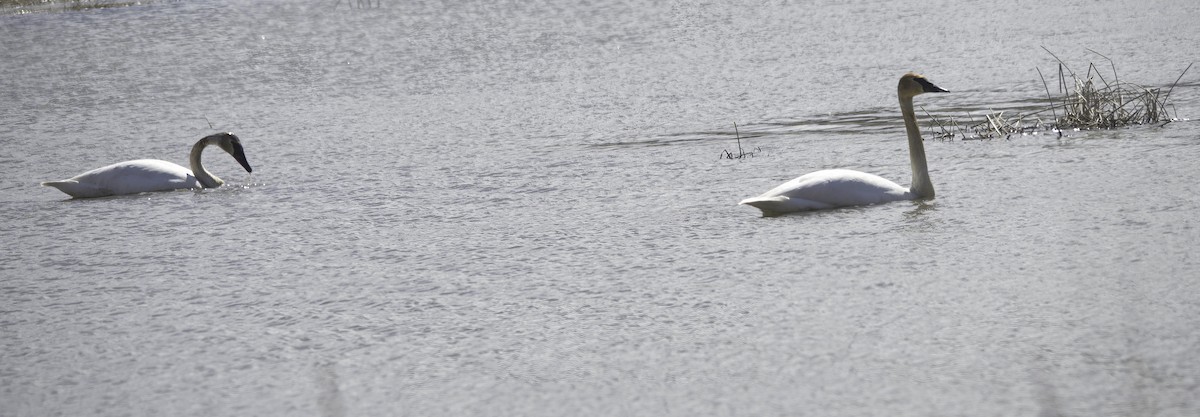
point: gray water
(519, 209)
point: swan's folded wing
(77, 189)
(776, 205)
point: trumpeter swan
(144, 175)
(843, 187)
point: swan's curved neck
(207, 179)
(921, 186)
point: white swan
(843, 187)
(145, 175)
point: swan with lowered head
(843, 187)
(145, 175)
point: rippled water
(519, 209)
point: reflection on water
(920, 208)
(330, 400)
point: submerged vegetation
(726, 154)
(994, 125)
(1092, 100)
(1084, 103)
(39, 6)
(360, 4)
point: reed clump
(1089, 102)
(1096, 103)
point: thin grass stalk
(1169, 90)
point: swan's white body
(833, 188)
(828, 189)
(129, 177)
(148, 175)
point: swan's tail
(76, 189)
(58, 184)
(770, 206)
(777, 205)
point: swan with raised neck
(843, 187)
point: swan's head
(230, 143)
(913, 84)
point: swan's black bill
(240, 156)
(928, 87)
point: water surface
(519, 209)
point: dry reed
(1092, 103)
